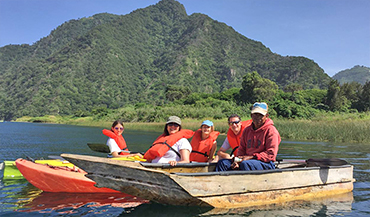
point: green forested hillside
(359, 74)
(113, 61)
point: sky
(333, 33)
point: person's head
(235, 124)
(207, 127)
(259, 114)
(173, 125)
(117, 127)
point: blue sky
(333, 33)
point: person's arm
(222, 151)
(185, 157)
(272, 142)
(113, 148)
(242, 151)
(212, 151)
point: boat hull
(58, 179)
(11, 170)
(217, 189)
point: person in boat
(232, 141)
(172, 146)
(116, 142)
(204, 143)
(259, 144)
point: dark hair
(117, 122)
(166, 131)
(233, 116)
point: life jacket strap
(198, 152)
(178, 154)
(232, 152)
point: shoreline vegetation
(333, 128)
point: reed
(332, 127)
(336, 131)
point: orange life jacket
(163, 143)
(234, 140)
(119, 140)
(202, 148)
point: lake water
(19, 198)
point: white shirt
(113, 146)
(226, 144)
(170, 155)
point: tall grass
(337, 131)
(330, 127)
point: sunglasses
(234, 122)
(119, 128)
(173, 124)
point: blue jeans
(225, 165)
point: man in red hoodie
(259, 144)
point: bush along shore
(333, 127)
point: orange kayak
(58, 179)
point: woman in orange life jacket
(172, 146)
(232, 141)
(204, 143)
(116, 142)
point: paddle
(55, 157)
(103, 148)
(99, 147)
(316, 162)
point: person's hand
(245, 157)
(140, 155)
(172, 163)
(235, 165)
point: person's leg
(256, 165)
(224, 165)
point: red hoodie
(262, 143)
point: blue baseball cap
(207, 122)
(259, 107)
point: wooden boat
(198, 184)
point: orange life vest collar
(234, 140)
(163, 143)
(119, 140)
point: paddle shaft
(103, 148)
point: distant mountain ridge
(360, 74)
(113, 61)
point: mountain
(113, 61)
(359, 74)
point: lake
(37, 141)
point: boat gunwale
(259, 172)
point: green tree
(293, 88)
(335, 98)
(364, 101)
(174, 92)
(255, 88)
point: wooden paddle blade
(99, 147)
(322, 162)
(56, 157)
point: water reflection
(328, 206)
(61, 202)
(40, 140)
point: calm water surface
(19, 198)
